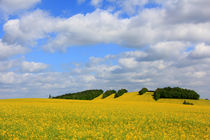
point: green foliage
(108, 93)
(120, 93)
(178, 93)
(143, 90)
(50, 96)
(84, 95)
(157, 94)
(187, 103)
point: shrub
(108, 93)
(142, 91)
(187, 103)
(84, 95)
(156, 94)
(178, 93)
(120, 93)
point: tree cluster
(120, 93)
(83, 95)
(143, 90)
(176, 92)
(108, 93)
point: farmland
(130, 116)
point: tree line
(176, 92)
(167, 92)
(91, 94)
(83, 95)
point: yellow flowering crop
(134, 118)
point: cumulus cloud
(168, 50)
(20, 65)
(201, 51)
(12, 6)
(128, 62)
(185, 11)
(85, 30)
(147, 28)
(131, 6)
(10, 50)
(33, 84)
(32, 66)
(132, 70)
(29, 28)
(174, 37)
(7, 65)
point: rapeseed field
(134, 118)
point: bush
(84, 95)
(178, 93)
(156, 94)
(120, 93)
(143, 90)
(187, 103)
(108, 93)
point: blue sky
(54, 47)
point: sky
(59, 46)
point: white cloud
(129, 72)
(149, 27)
(130, 6)
(9, 78)
(20, 65)
(85, 30)
(36, 84)
(29, 28)
(165, 33)
(32, 66)
(185, 11)
(6, 50)
(137, 54)
(201, 51)
(96, 2)
(169, 50)
(196, 74)
(128, 62)
(12, 6)
(7, 65)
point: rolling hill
(97, 95)
(148, 97)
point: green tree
(120, 93)
(176, 92)
(83, 95)
(108, 93)
(143, 90)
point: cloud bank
(171, 42)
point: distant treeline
(168, 92)
(84, 95)
(91, 94)
(176, 92)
